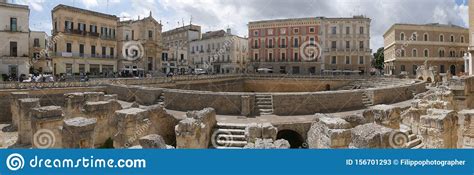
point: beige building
(39, 52)
(145, 33)
(408, 46)
(220, 52)
(176, 48)
(311, 45)
(87, 44)
(468, 59)
(14, 33)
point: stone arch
(293, 137)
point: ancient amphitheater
(239, 111)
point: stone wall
(103, 112)
(286, 104)
(224, 103)
(439, 128)
(390, 95)
(329, 132)
(46, 122)
(195, 131)
(78, 133)
(466, 129)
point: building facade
(408, 46)
(39, 52)
(311, 45)
(176, 48)
(86, 42)
(14, 34)
(220, 52)
(468, 58)
(145, 33)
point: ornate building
(311, 45)
(408, 46)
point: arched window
(426, 53)
(402, 36)
(402, 53)
(413, 37)
(452, 38)
(452, 53)
(425, 37)
(414, 53)
(462, 39)
(461, 53)
(441, 53)
(441, 38)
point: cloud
(218, 14)
(90, 3)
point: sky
(235, 14)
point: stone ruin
(264, 136)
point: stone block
(269, 131)
(94, 96)
(110, 97)
(24, 126)
(46, 126)
(356, 120)
(73, 105)
(131, 124)
(439, 128)
(466, 129)
(147, 96)
(153, 141)
(370, 135)
(385, 115)
(104, 112)
(78, 132)
(252, 132)
(411, 118)
(195, 131)
(329, 132)
(163, 123)
(15, 108)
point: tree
(379, 58)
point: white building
(220, 52)
(39, 52)
(176, 48)
(14, 33)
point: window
(441, 53)
(425, 37)
(13, 25)
(296, 56)
(402, 68)
(36, 42)
(348, 60)
(112, 51)
(255, 33)
(296, 43)
(270, 31)
(402, 36)
(296, 30)
(103, 51)
(283, 57)
(415, 67)
(270, 57)
(414, 53)
(402, 53)
(93, 50)
(462, 39)
(283, 31)
(441, 38)
(334, 30)
(452, 38)
(413, 37)
(13, 49)
(442, 69)
(255, 57)
(270, 43)
(361, 44)
(361, 30)
(81, 50)
(150, 34)
(348, 44)
(312, 30)
(426, 54)
(348, 30)
(68, 47)
(334, 44)
(334, 60)
(283, 43)
(361, 60)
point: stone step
(231, 126)
(264, 98)
(231, 137)
(265, 106)
(266, 113)
(232, 131)
(414, 143)
(264, 103)
(231, 143)
(265, 110)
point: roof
(310, 18)
(434, 25)
(70, 8)
(25, 7)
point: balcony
(283, 46)
(255, 47)
(8, 28)
(107, 37)
(81, 55)
(270, 46)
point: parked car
(200, 72)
